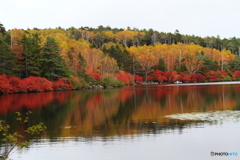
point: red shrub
(17, 84)
(213, 75)
(32, 84)
(125, 77)
(45, 84)
(96, 76)
(236, 74)
(138, 79)
(5, 86)
(38, 84)
(187, 78)
(223, 72)
(62, 84)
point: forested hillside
(72, 58)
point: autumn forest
(36, 60)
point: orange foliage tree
(145, 57)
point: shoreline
(112, 87)
(202, 83)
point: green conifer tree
(7, 59)
(31, 56)
(161, 65)
(82, 65)
(53, 65)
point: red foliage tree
(175, 77)
(168, 76)
(161, 79)
(138, 79)
(149, 78)
(155, 75)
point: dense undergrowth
(11, 84)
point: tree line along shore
(36, 60)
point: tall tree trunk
(239, 50)
(146, 76)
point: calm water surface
(128, 123)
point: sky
(192, 17)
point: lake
(136, 122)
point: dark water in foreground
(128, 123)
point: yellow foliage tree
(146, 58)
(192, 61)
(108, 65)
(125, 36)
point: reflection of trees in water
(145, 107)
(14, 102)
(126, 111)
(166, 127)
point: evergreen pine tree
(235, 64)
(53, 65)
(161, 65)
(82, 65)
(31, 56)
(2, 29)
(128, 62)
(123, 58)
(7, 59)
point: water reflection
(117, 112)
